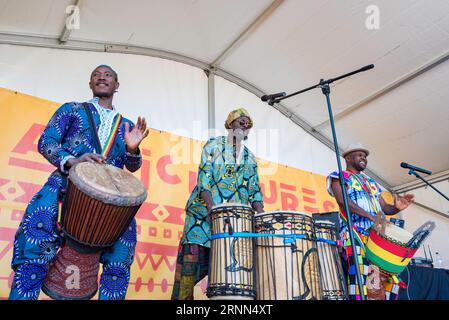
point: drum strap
(110, 141)
(367, 191)
(93, 127)
(358, 237)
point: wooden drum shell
(92, 222)
(231, 266)
(286, 271)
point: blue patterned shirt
(68, 134)
(359, 196)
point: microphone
(273, 96)
(409, 166)
(370, 66)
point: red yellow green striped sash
(110, 141)
(357, 236)
(368, 192)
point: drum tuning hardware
(227, 222)
(407, 254)
(294, 246)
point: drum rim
(114, 199)
(57, 296)
(223, 291)
(389, 238)
(324, 222)
(231, 204)
(401, 230)
(297, 213)
(90, 246)
(221, 208)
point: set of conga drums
(277, 255)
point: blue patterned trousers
(38, 239)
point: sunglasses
(244, 122)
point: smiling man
(365, 201)
(68, 139)
(227, 173)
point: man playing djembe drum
(365, 201)
(227, 173)
(69, 139)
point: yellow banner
(168, 177)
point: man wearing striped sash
(365, 202)
(68, 139)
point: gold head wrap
(235, 114)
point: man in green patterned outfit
(227, 173)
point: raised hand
(402, 202)
(134, 137)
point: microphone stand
(426, 182)
(325, 88)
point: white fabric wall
(430, 198)
(171, 95)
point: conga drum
(99, 205)
(231, 265)
(332, 277)
(286, 257)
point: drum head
(398, 234)
(230, 204)
(280, 213)
(108, 184)
(290, 222)
(231, 207)
(325, 224)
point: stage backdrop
(169, 172)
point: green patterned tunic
(227, 182)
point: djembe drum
(100, 203)
(388, 254)
(231, 266)
(286, 257)
(331, 270)
(389, 251)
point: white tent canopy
(398, 109)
